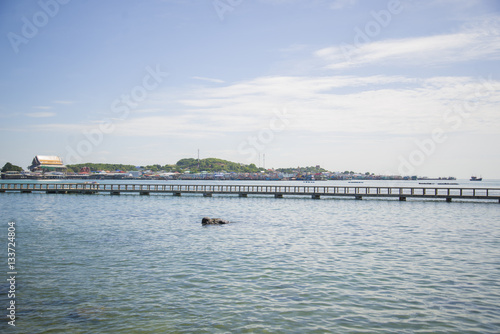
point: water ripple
(136, 264)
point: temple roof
(48, 160)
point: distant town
(52, 167)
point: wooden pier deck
(315, 192)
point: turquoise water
(144, 264)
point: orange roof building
(47, 163)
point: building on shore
(47, 163)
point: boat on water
(475, 178)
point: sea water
(144, 264)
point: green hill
(192, 165)
(94, 167)
(215, 165)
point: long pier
(315, 192)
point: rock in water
(213, 221)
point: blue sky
(395, 87)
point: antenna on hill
(198, 159)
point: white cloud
(477, 42)
(208, 79)
(69, 129)
(41, 114)
(42, 107)
(148, 110)
(364, 106)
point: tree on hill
(154, 168)
(215, 165)
(187, 163)
(211, 165)
(94, 167)
(309, 169)
(8, 167)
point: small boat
(475, 178)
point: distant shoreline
(192, 177)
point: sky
(407, 87)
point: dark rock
(213, 221)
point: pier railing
(357, 192)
